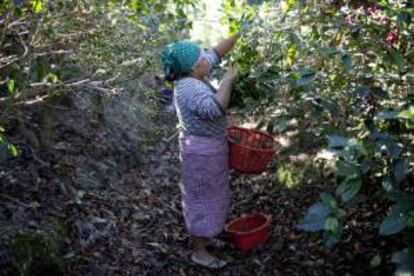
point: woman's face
(202, 68)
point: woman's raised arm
(226, 45)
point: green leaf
(363, 91)
(410, 221)
(326, 198)
(52, 78)
(403, 18)
(311, 224)
(348, 189)
(314, 219)
(332, 225)
(383, 3)
(347, 60)
(379, 93)
(282, 124)
(355, 148)
(270, 127)
(400, 170)
(333, 204)
(403, 203)
(10, 86)
(69, 255)
(385, 115)
(133, 4)
(305, 78)
(287, 5)
(407, 114)
(255, 2)
(387, 184)
(405, 262)
(37, 5)
(384, 143)
(398, 60)
(330, 106)
(13, 150)
(291, 53)
(376, 261)
(336, 141)
(393, 149)
(409, 124)
(393, 224)
(328, 52)
(2, 129)
(347, 169)
(332, 239)
(296, 39)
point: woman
(203, 145)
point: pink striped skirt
(205, 184)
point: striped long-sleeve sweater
(198, 111)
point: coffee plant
(343, 69)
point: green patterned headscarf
(180, 57)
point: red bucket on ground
(250, 150)
(250, 231)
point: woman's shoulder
(189, 83)
(185, 80)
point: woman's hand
(231, 72)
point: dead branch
(56, 52)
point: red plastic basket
(250, 150)
(250, 231)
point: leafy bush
(344, 70)
(36, 253)
(55, 48)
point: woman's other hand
(231, 72)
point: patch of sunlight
(284, 142)
(288, 176)
(207, 29)
(326, 154)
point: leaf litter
(134, 225)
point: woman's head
(183, 58)
(202, 67)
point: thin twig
(18, 22)
(57, 52)
(7, 173)
(9, 63)
(26, 49)
(37, 100)
(15, 200)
